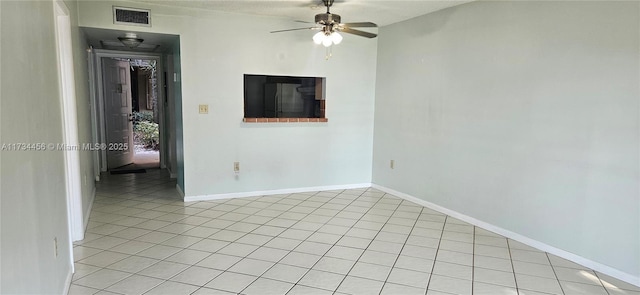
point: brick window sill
(284, 120)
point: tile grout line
(513, 269)
(473, 261)
(300, 220)
(183, 248)
(437, 250)
(351, 227)
(316, 231)
(292, 250)
(286, 228)
(272, 203)
(373, 239)
(156, 244)
(601, 283)
(402, 248)
(554, 272)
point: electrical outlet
(203, 109)
(55, 247)
(391, 164)
(236, 167)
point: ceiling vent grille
(131, 16)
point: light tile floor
(142, 239)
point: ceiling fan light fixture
(327, 41)
(318, 38)
(336, 38)
(131, 40)
(330, 24)
(327, 38)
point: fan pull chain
(329, 53)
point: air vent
(131, 16)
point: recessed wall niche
(284, 99)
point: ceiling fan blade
(358, 32)
(311, 28)
(304, 22)
(361, 25)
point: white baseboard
(180, 191)
(172, 174)
(67, 281)
(518, 237)
(85, 216)
(92, 197)
(274, 192)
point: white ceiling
(381, 12)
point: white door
(118, 112)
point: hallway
(142, 239)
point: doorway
(129, 110)
(144, 84)
(132, 113)
(164, 51)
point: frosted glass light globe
(327, 41)
(318, 38)
(336, 38)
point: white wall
(33, 201)
(216, 49)
(520, 114)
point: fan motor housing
(327, 18)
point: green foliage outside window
(145, 131)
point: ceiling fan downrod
(328, 4)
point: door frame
(67, 93)
(98, 107)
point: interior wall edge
(86, 214)
(179, 189)
(68, 281)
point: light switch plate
(203, 109)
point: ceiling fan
(329, 25)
